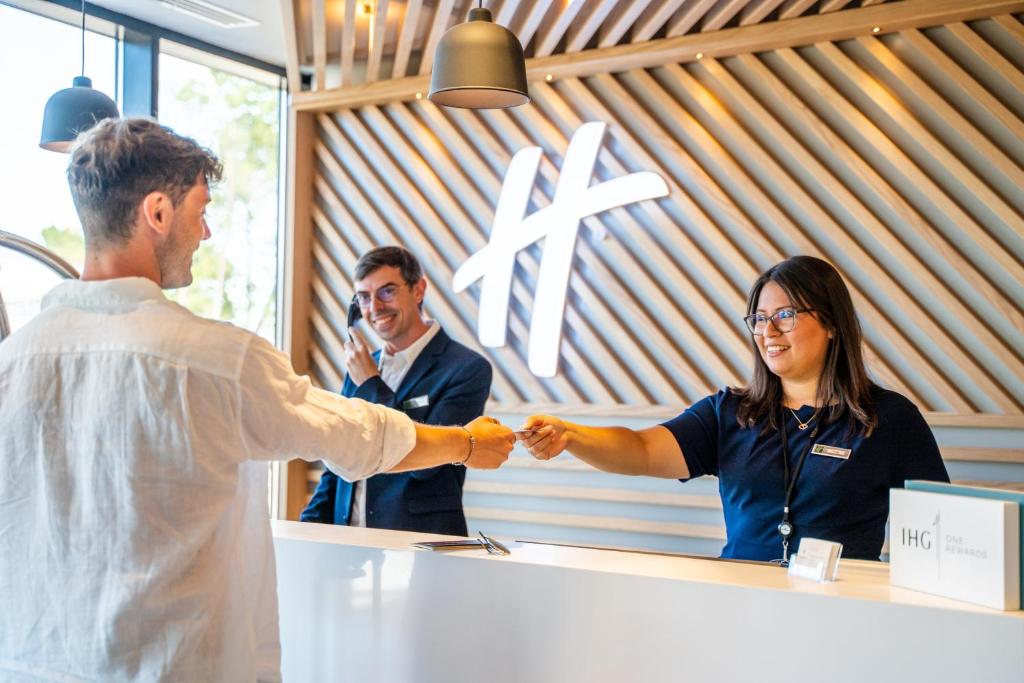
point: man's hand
(494, 441)
(544, 436)
(358, 360)
(450, 446)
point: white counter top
(363, 603)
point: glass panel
(38, 57)
(235, 272)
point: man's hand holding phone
(358, 361)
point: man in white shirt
(422, 372)
(134, 534)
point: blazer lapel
(421, 366)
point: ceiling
(265, 41)
(545, 27)
(412, 27)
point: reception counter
(363, 605)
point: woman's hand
(653, 452)
(545, 436)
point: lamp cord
(83, 37)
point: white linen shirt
(134, 531)
(393, 368)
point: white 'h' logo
(513, 230)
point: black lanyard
(786, 527)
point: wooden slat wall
(898, 157)
(876, 153)
(404, 33)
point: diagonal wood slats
(899, 157)
(407, 33)
(377, 31)
(394, 39)
(438, 25)
(721, 14)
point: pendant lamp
(479, 65)
(73, 110)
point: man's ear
(157, 212)
(420, 289)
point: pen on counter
(493, 546)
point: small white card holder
(817, 560)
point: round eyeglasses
(783, 320)
(385, 295)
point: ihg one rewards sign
(956, 546)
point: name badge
(418, 402)
(831, 451)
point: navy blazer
(456, 382)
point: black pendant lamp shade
(479, 65)
(71, 111)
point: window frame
(138, 47)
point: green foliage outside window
(234, 273)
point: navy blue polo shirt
(844, 500)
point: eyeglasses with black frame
(783, 320)
(385, 294)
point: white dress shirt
(393, 368)
(134, 535)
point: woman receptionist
(809, 448)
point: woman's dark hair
(844, 385)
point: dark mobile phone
(354, 314)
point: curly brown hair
(117, 162)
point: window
(232, 108)
(235, 111)
(34, 199)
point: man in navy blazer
(420, 371)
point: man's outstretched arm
(283, 416)
(482, 444)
